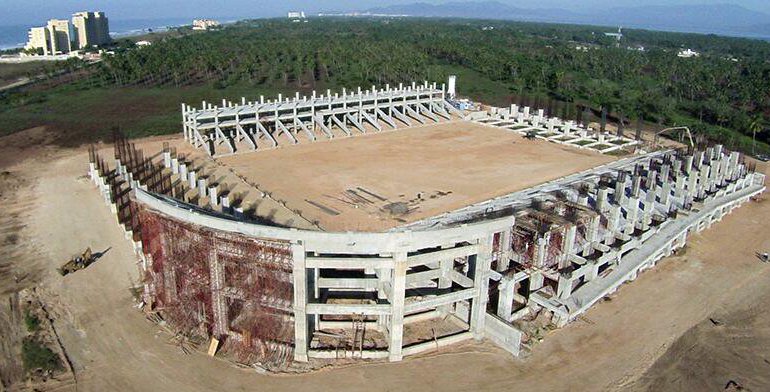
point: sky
(30, 12)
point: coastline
(118, 29)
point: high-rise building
(38, 39)
(91, 29)
(59, 36)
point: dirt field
(426, 170)
(653, 335)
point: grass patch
(583, 142)
(31, 321)
(36, 355)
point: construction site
(380, 224)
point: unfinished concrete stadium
(433, 226)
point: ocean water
(16, 36)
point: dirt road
(113, 347)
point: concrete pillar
(601, 199)
(665, 193)
(174, 166)
(632, 211)
(225, 201)
(592, 235)
(213, 196)
(564, 288)
(665, 173)
(192, 179)
(652, 179)
(398, 284)
(649, 207)
(613, 224)
(542, 243)
(183, 172)
(481, 283)
(567, 245)
(636, 184)
(202, 187)
(688, 160)
(299, 274)
(620, 188)
(505, 299)
(505, 251)
(167, 159)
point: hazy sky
(22, 12)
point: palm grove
(722, 94)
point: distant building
(687, 53)
(204, 24)
(91, 29)
(143, 43)
(59, 36)
(296, 15)
(618, 36)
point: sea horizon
(15, 36)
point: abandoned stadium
(272, 230)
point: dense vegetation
(724, 93)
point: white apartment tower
(59, 36)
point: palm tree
(754, 126)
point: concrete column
(183, 172)
(174, 166)
(225, 201)
(505, 299)
(202, 187)
(649, 207)
(592, 235)
(601, 199)
(542, 243)
(665, 173)
(481, 283)
(613, 224)
(567, 245)
(299, 274)
(620, 188)
(166, 159)
(505, 251)
(632, 211)
(665, 194)
(564, 288)
(688, 160)
(213, 196)
(192, 179)
(636, 184)
(398, 284)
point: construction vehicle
(77, 263)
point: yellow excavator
(77, 263)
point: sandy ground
(450, 165)
(637, 340)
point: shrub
(36, 355)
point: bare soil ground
(425, 170)
(638, 340)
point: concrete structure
(204, 24)
(59, 36)
(487, 269)
(54, 38)
(296, 15)
(91, 29)
(249, 126)
(38, 38)
(525, 121)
